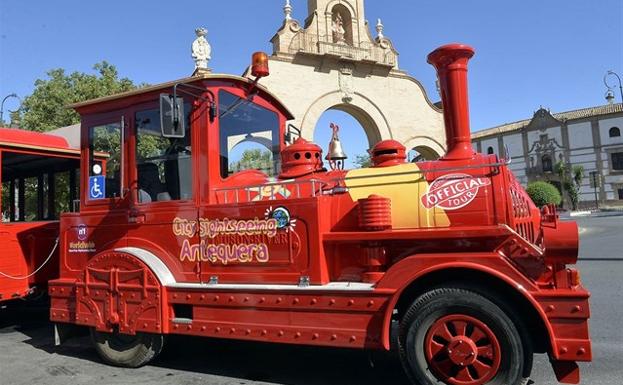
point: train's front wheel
(458, 337)
(126, 350)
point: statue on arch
(201, 50)
(338, 30)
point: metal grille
(522, 219)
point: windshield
(249, 136)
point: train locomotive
(447, 260)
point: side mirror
(172, 122)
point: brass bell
(336, 154)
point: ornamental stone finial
(287, 10)
(201, 50)
(379, 29)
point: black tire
(125, 350)
(428, 334)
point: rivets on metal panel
(314, 301)
(315, 336)
(563, 350)
(281, 333)
(550, 308)
(581, 351)
(296, 301)
(332, 302)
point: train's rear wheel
(126, 350)
(458, 337)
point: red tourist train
(173, 237)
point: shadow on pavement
(250, 361)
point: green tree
(543, 193)
(570, 180)
(254, 159)
(46, 109)
(362, 160)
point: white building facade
(590, 137)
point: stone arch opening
(366, 113)
(357, 134)
(422, 153)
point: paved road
(27, 354)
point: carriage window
(105, 141)
(163, 165)
(36, 187)
(249, 136)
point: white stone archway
(428, 147)
(312, 73)
(363, 110)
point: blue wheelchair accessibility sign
(97, 187)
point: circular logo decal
(83, 232)
(453, 191)
(282, 216)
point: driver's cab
(175, 151)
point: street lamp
(609, 94)
(2, 105)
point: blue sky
(530, 53)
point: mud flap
(567, 372)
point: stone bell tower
(332, 61)
(336, 28)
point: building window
(617, 161)
(490, 150)
(546, 161)
(620, 194)
(614, 132)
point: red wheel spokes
(462, 350)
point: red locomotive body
(453, 251)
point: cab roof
(187, 80)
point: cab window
(249, 136)
(105, 177)
(163, 165)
